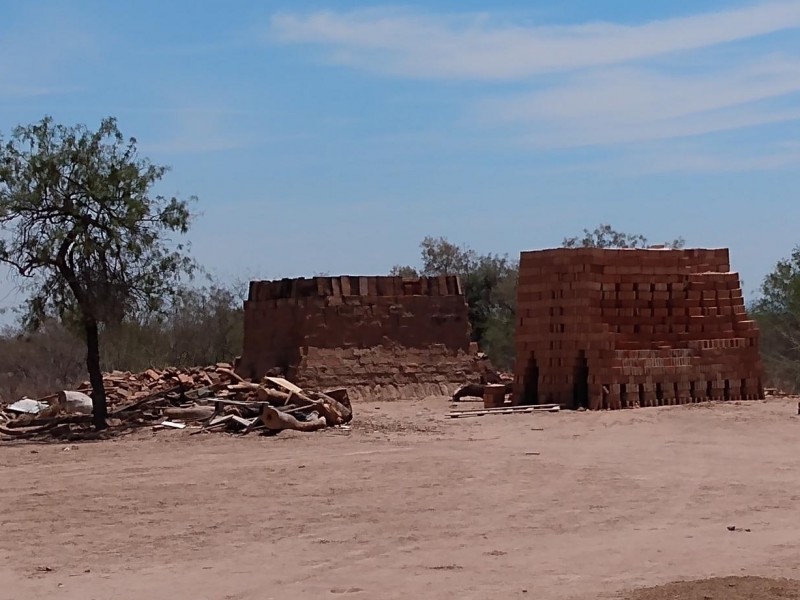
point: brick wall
(379, 336)
(622, 328)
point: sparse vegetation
(200, 326)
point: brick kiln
(621, 328)
(378, 336)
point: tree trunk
(99, 406)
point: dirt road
(409, 505)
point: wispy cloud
(641, 94)
(626, 104)
(477, 47)
(587, 84)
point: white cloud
(473, 47)
(587, 84)
(641, 94)
(631, 104)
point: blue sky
(333, 136)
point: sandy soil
(409, 504)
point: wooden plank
(481, 413)
(170, 425)
(228, 402)
(284, 384)
(254, 424)
(524, 408)
(219, 420)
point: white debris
(26, 406)
(75, 403)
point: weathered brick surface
(379, 336)
(622, 328)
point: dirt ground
(411, 504)
(722, 588)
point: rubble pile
(208, 398)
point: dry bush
(202, 326)
(40, 363)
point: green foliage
(403, 271)
(604, 236)
(79, 224)
(442, 257)
(489, 283)
(778, 313)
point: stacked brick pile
(623, 328)
(378, 336)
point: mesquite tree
(80, 224)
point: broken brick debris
(213, 397)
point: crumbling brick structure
(621, 328)
(381, 337)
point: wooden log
(27, 431)
(277, 421)
(243, 386)
(25, 422)
(192, 413)
(269, 395)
